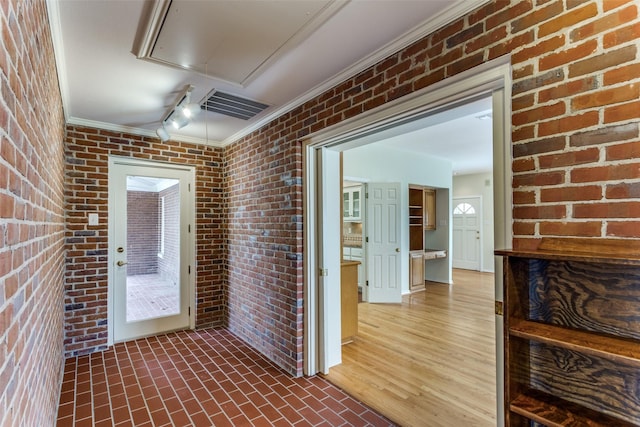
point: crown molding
(74, 121)
(55, 26)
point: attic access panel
(234, 41)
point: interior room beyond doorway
(402, 376)
(322, 339)
(430, 360)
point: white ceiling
(281, 53)
(462, 135)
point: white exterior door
(150, 248)
(467, 226)
(383, 248)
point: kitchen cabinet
(416, 270)
(355, 254)
(572, 333)
(349, 300)
(429, 209)
(352, 203)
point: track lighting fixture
(180, 116)
(162, 134)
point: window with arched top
(464, 208)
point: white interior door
(383, 248)
(467, 233)
(150, 212)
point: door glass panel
(464, 208)
(153, 248)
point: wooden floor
(429, 361)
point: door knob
(397, 249)
(121, 263)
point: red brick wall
(575, 122)
(575, 142)
(31, 218)
(143, 230)
(86, 187)
(265, 244)
(576, 77)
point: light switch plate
(93, 219)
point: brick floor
(198, 378)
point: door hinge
(366, 239)
(499, 308)
(189, 228)
(189, 187)
(189, 311)
(324, 272)
(367, 283)
(189, 269)
(366, 195)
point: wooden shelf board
(610, 348)
(604, 258)
(553, 412)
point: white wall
(377, 163)
(480, 185)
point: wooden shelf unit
(416, 218)
(422, 216)
(572, 334)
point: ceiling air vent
(231, 105)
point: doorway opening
(322, 340)
(151, 289)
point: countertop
(435, 253)
(352, 245)
(345, 263)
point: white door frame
(492, 77)
(480, 225)
(190, 246)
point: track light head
(162, 134)
(178, 120)
(190, 110)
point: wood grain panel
(594, 383)
(593, 297)
(550, 411)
